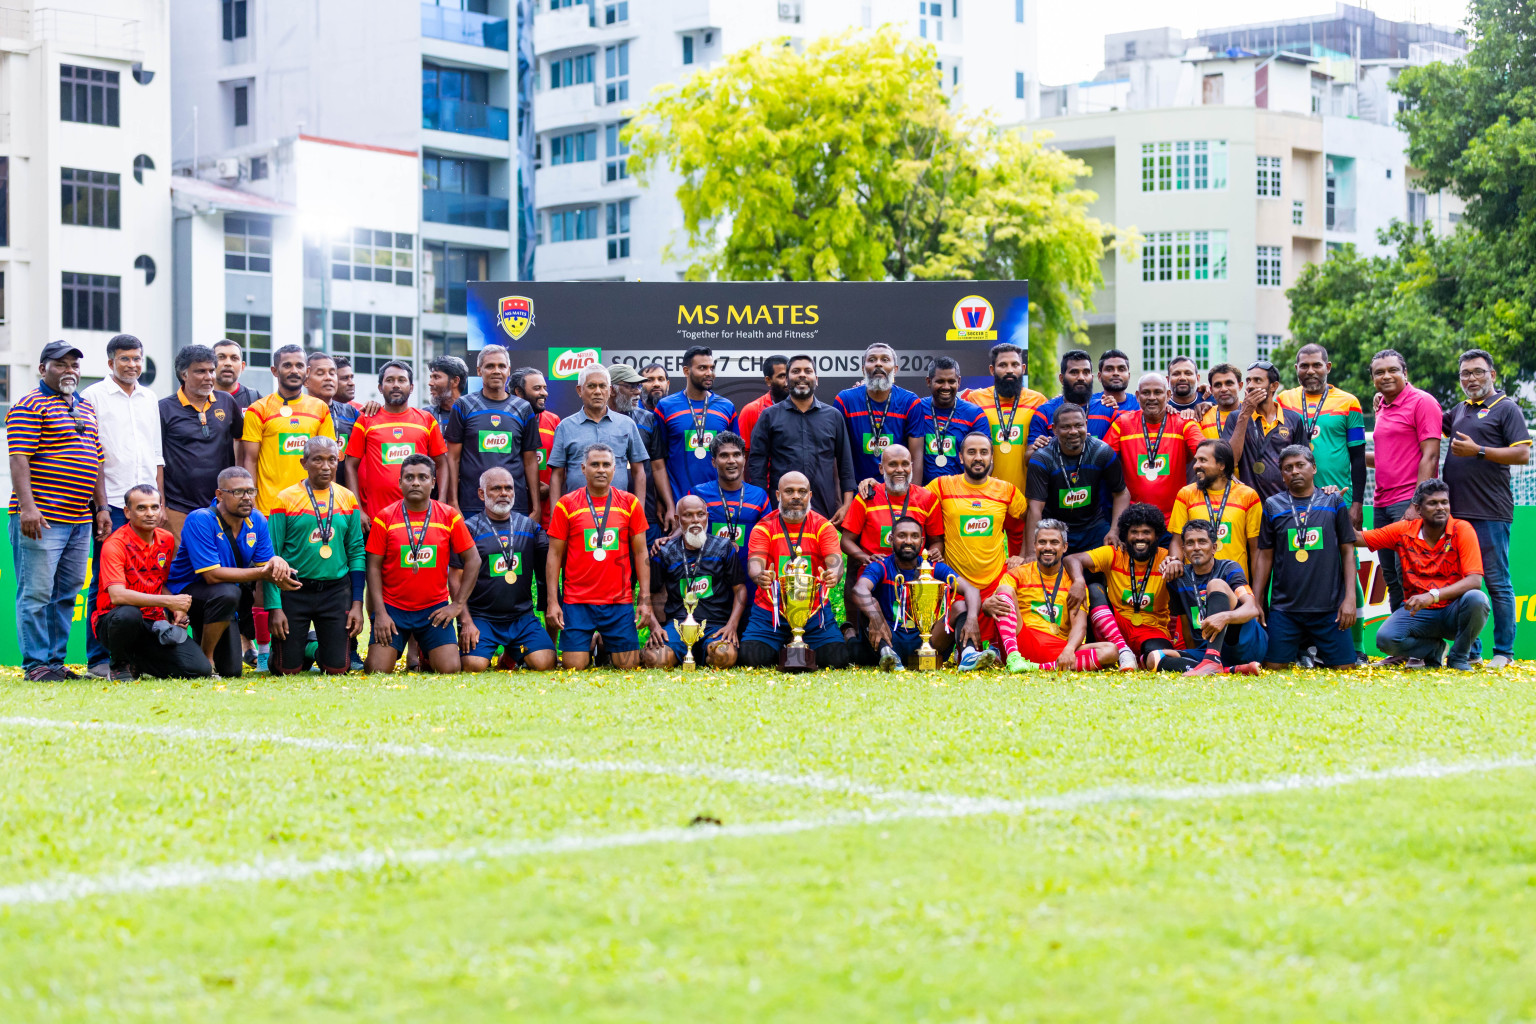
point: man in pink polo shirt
(1406, 453)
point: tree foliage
(848, 162)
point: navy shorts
(820, 629)
(1290, 633)
(615, 623)
(418, 624)
(700, 646)
(1250, 646)
(520, 636)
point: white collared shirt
(129, 425)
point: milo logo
(424, 558)
(734, 534)
(393, 454)
(1072, 497)
(291, 444)
(1016, 433)
(495, 441)
(696, 439)
(610, 539)
(874, 444)
(567, 363)
(1146, 600)
(932, 442)
(1312, 542)
(499, 564)
(699, 586)
(1152, 466)
(543, 458)
(1047, 612)
(1224, 532)
(885, 537)
(976, 526)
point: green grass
(1397, 899)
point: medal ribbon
(1146, 439)
(602, 524)
(941, 430)
(504, 544)
(1137, 592)
(1073, 474)
(1005, 430)
(1050, 600)
(411, 540)
(324, 522)
(725, 507)
(1301, 517)
(699, 418)
(876, 425)
(1215, 515)
(1308, 417)
(890, 509)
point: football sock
(1104, 627)
(1008, 631)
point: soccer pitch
(749, 846)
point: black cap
(58, 350)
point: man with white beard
(513, 548)
(708, 565)
(877, 412)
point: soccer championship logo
(515, 316)
(973, 320)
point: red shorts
(1136, 636)
(1044, 648)
(986, 626)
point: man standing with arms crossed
(877, 412)
(1407, 451)
(491, 428)
(943, 420)
(691, 419)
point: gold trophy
(927, 601)
(690, 630)
(798, 588)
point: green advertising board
(10, 643)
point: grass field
(1351, 846)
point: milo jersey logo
(700, 586)
(1151, 467)
(395, 452)
(696, 439)
(735, 534)
(937, 445)
(1223, 532)
(499, 564)
(1146, 600)
(610, 539)
(1047, 612)
(1312, 542)
(495, 441)
(885, 537)
(424, 558)
(977, 526)
(543, 458)
(1015, 433)
(1072, 497)
(291, 444)
(874, 444)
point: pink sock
(1104, 627)
(1087, 659)
(1008, 631)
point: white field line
(184, 876)
(710, 773)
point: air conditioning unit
(229, 168)
(789, 10)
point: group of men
(1176, 528)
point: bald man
(699, 561)
(1156, 448)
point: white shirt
(129, 426)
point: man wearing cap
(56, 462)
(624, 400)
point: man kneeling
(512, 549)
(875, 595)
(710, 567)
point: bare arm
(915, 446)
(122, 596)
(1031, 520)
(449, 474)
(552, 610)
(637, 481)
(556, 484)
(1429, 458)
(531, 475)
(349, 471)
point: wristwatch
(1434, 595)
(1482, 453)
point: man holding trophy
(914, 611)
(794, 557)
(706, 594)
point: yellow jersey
(975, 524)
(1042, 603)
(282, 427)
(1239, 520)
(1117, 568)
(1010, 417)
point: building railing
(463, 116)
(464, 210)
(465, 27)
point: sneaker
(101, 670)
(262, 660)
(890, 661)
(1395, 661)
(1207, 667)
(1305, 660)
(249, 657)
(1018, 663)
(1461, 666)
(1500, 661)
(1362, 659)
(1249, 668)
(45, 674)
(988, 658)
(357, 663)
(1127, 661)
(120, 673)
(971, 659)
(1414, 664)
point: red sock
(1104, 627)
(1008, 631)
(259, 617)
(1087, 659)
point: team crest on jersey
(495, 421)
(515, 316)
(398, 433)
(160, 560)
(218, 414)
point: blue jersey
(1100, 416)
(344, 417)
(964, 418)
(882, 572)
(873, 425)
(733, 512)
(206, 544)
(689, 428)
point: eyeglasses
(243, 492)
(1261, 364)
(1474, 374)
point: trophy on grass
(797, 590)
(926, 601)
(688, 629)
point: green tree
(848, 162)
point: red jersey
(747, 418)
(380, 443)
(1156, 458)
(589, 580)
(548, 421)
(413, 583)
(769, 542)
(141, 566)
(870, 521)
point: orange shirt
(1013, 418)
(1042, 606)
(976, 524)
(1240, 519)
(1156, 463)
(1425, 566)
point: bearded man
(707, 565)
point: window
(87, 95)
(369, 255)
(1269, 266)
(242, 106)
(1418, 208)
(617, 168)
(5, 384)
(93, 302)
(575, 148)
(371, 340)
(1265, 345)
(618, 230)
(146, 264)
(234, 19)
(1018, 11)
(248, 243)
(450, 267)
(141, 163)
(450, 174)
(1130, 50)
(2, 297)
(1268, 177)
(1184, 256)
(573, 225)
(568, 71)
(438, 83)
(1204, 341)
(258, 168)
(1018, 85)
(1199, 165)
(253, 334)
(1298, 212)
(934, 9)
(687, 49)
(954, 75)
(5, 200)
(615, 14)
(90, 199)
(616, 73)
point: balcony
(464, 210)
(562, 29)
(696, 14)
(464, 27)
(579, 184)
(565, 108)
(1341, 219)
(464, 117)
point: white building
(1238, 170)
(598, 61)
(85, 157)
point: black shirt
(656, 447)
(1186, 592)
(1259, 467)
(193, 462)
(242, 395)
(1316, 585)
(494, 598)
(1480, 488)
(1082, 503)
(714, 571)
(814, 442)
(493, 434)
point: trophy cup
(690, 630)
(797, 591)
(926, 600)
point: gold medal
(1258, 467)
(1301, 555)
(286, 411)
(325, 551)
(1135, 618)
(510, 577)
(1005, 447)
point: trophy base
(927, 660)
(797, 658)
(689, 665)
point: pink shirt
(1414, 416)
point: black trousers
(218, 602)
(130, 641)
(322, 604)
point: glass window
(142, 163)
(574, 225)
(1204, 341)
(1298, 212)
(616, 73)
(371, 340)
(1018, 85)
(90, 199)
(1265, 345)
(455, 84)
(687, 49)
(616, 13)
(383, 256)
(1268, 177)
(248, 243)
(450, 267)
(1197, 165)
(234, 19)
(575, 148)
(617, 152)
(242, 106)
(93, 302)
(88, 95)
(618, 230)
(1269, 266)
(568, 71)
(452, 174)
(253, 334)
(1018, 11)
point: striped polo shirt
(65, 457)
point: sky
(1072, 31)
